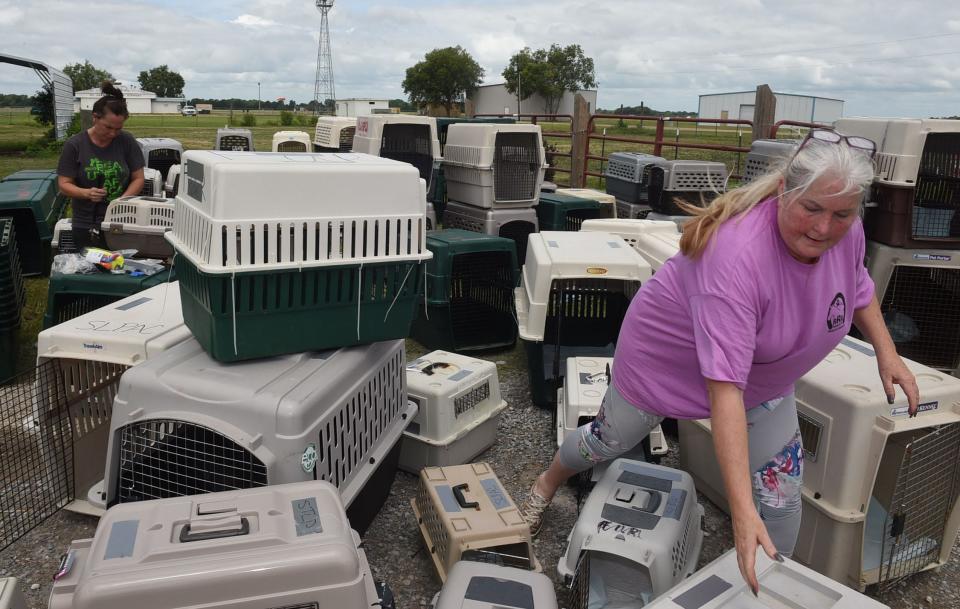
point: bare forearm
(134, 188)
(869, 320)
(69, 189)
(729, 423)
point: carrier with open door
(516, 224)
(160, 153)
(401, 137)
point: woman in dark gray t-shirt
(99, 165)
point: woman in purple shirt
(769, 280)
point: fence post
(764, 111)
(658, 138)
(579, 142)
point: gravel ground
(525, 446)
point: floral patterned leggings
(776, 455)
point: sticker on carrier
(925, 407)
(933, 257)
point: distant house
(495, 99)
(801, 108)
(138, 101)
(362, 106)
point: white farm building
(138, 101)
(790, 107)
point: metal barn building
(495, 99)
(790, 107)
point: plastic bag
(104, 259)
(72, 264)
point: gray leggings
(776, 455)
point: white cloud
(9, 14)
(253, 21)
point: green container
(470, 282)
(8, 355)
(70, 296)
(438, 191)
(565, 212)
(443, 124)
(263, 313)
(32, 174)
(13, 293)
(35, 206)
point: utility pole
(258, 96)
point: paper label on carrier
(934, 257)
(309, 458)
(306, 516)
(925, 407)
(496, 495)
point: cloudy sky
(883, 57)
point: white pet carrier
(285, 546)
(494, 165)
(477, 585)
(632, 211)
(12, 598)
(291, 141)
(152, 183)
(90, 353)
(512, 223)
(548, 187)
(139, 223)
(431, 217)
(402, 137)
(627, 175)
(637, 536)
(459, 405)
(160, 153)
(919, 295)
(234, 139)
(62, 242)
(608, 201)
(656, 241)
(719, 585)
(334, 133)
(172, 183)
(570, 256)
(186, 424)
(678, 220)
(764, 155)
(872, 511)
(578, 401)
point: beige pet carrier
(288, 546)
(474, 585)
(464, 513)
(10, 595)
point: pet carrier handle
(187, 536)
(653, 503)
(458, 493)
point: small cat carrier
(469, 299)
(90, 353)
(491, 165)
(288, 546)
(638, 535)
(916, 190)
(172, 184)
(160, 153)
(692, 182)
(152, 183)
(627, 176)
(559, 211)
(516, 224)
(401, 137)
(342, 241)
(872, 513)
(291, 141)
(574, 291)
(458, 408)
(484, 586)
(464, 513)
(764, 155)
(139, 223)
(334, 133)
(62, 242)
(607, 201)
(12, 598)
(633, 211)
(789, 584)
(657, 241)
(235, 139)
(31, 198)
(185, 424)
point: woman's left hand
(894, 372)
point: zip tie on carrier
(233, 309)
(397, 295)
(359, 281)
(163, 304)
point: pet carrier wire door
(288, 546)
(916, 191)
(719, 585)
(490, 165)
(483, 586)
(291, 141)
(237, 140)
(574, 291)
(691, 182)
(62, 242)
(186, 424)
(764, 155)
(638, 535)
(459, 405)
(152, 183)
(464, 513)
(91, 352)
(334, 133)
(343, 238)
(410, 139)
(632, 211)
(656, 241)
(919, 292)
(558, 211)
(139, 223)
(469, 300)
(627, 177)
(160, 153)
(516, 224)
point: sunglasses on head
(865, 145)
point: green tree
(41, 106)
(161, 80)
(549, 73)
(86, 75)
(444, 78)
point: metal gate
(926, 489)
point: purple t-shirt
(746, 312)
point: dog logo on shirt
(837, 314)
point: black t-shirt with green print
(92, 166)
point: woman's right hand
(748, 533)
(96, 195)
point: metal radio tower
(323, 86)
